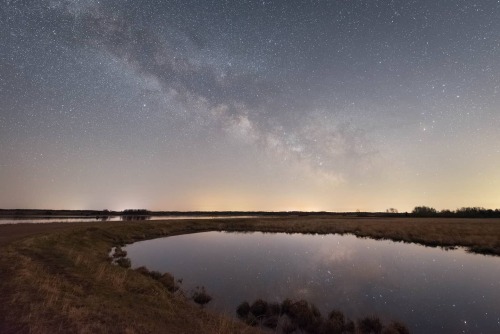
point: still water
(80, 219)
(429, 289)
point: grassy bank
(62, 280)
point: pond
(429, 289)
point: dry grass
(477, 235)
(64, 281)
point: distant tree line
(131, 214)
(136, 212)
(465, 212)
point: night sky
(337, 105)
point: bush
(337, 317)
(288, 326)
(142, 270)
(156, 275)
(292, 316)
(285, 305)
(201, 297)
(271, 321)
(251, 320)
(123, 262)
(243, 309)
(166, 279)
(305, 315)
(335, 324)
(168, 282)
(119, 252)
(274, 309)
(370, 325)
(349, 326)
(396, 328)
(259, 308)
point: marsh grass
(64, 280)
(124, 262)
(166, 279)
(481, 236)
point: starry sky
(337, 105)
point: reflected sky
(429, 289)
(40, 220)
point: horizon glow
(249, 105)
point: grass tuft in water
(300, 316)
(200, 296)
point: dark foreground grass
(63, 280)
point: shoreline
(60, 274)
(477, 235)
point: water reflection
(135, 217)
(58, 219)
(80, 219)
(429, 289)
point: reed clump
(300, 316)
(166, 279)
(200, 296)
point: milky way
(249, 105)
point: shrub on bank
(201, 297)
(370, 325)
(300, 315)
(123, 262)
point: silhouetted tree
(424, 211)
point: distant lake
(80, 219)
(429, 289)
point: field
(59, 278)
